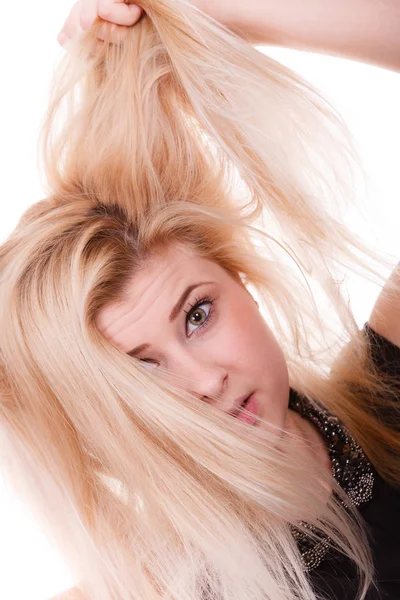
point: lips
(238, 405)
(251, 407)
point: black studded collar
(350, 468)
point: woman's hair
(183, 135)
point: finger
(71, 26)
(118, 12)
(88, 13)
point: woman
(173, 441)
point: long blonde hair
(147, 492)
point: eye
(195, 311)
(202, 317)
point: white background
(367, 97)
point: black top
(335, 576)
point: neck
(311, 440)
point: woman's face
(223, 347)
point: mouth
(242, 405)
(251, 406)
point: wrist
(245, 20)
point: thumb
(119, 12)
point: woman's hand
(241, 16)
(121, 13)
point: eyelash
(197, 303)
(193, 307)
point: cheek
(246, 345)
(243, 335)
(248, 341)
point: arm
(385, 316)
(365, 30)
(71, 594)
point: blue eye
(194, 309)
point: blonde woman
(176, 406)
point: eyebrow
(174, 312)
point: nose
(202, 375)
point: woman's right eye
(147, 361)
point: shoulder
(385, 315)
(71, 594)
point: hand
(243, 18)
(121, 13)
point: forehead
(155, 289)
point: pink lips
(251, 407)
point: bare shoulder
(71, 594)
(385, 316)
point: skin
(342, 28)
(233, 355)
(362, 30)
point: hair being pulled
(185, 135)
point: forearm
(366, 30)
